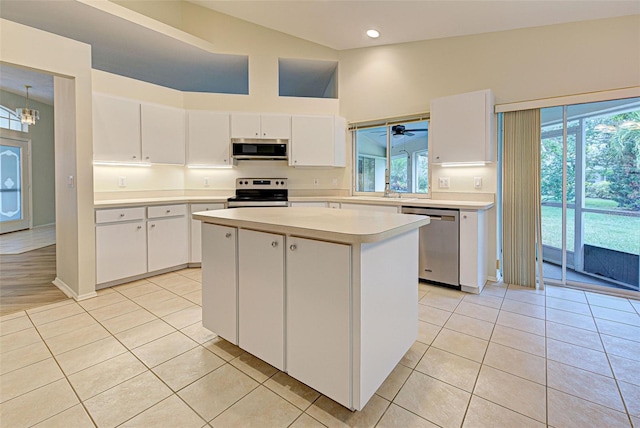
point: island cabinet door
(219, 281)
(261, 295)
(318, 321)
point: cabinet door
(261, 295)
(312, 141)
(459, 127)
(167, 242)
(220, 281)
(121, 251)
(208, 138)
(473, 250)
(309, 204)
(195, 254)
(116, 129)
(318, 307)
(163, 134)
(245, 125)
(275, 126)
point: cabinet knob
(464, 216)
(225, 160)
(227, 235)
(133, 157)
(121, 214)
(293, 247)
(168, 211)
(257, 134)
(274, 244)
(264, 134)
(153, 225)
(139, 227)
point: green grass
(602, 230)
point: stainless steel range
(260, 192)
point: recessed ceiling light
(374, 34)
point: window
(10, 120)
(400, 149)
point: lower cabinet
(473, 251)
(121, 250)
(261, 295)
(220, 281)
(318, 308)
(130, 244)
(195, 252)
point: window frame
(388, 123)
(12, 117)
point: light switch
(122, 181)
(70, 181)
(477, 182)
(206, 182)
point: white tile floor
(137, 356)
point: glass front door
(14, 185)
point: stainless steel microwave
(258, 150)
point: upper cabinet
(208, 138)
(266, 126)
(163, 134)
(318, 141)
(461, 128)
(116, 129)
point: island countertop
(328, 224)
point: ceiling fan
(402, 130)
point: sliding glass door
(590, 190)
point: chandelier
(28, 115)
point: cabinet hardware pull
(121, 214)
(134, 157)
(139, 227)
(274, 244)
(168, 211)
(227, 235)
(153, 225)
(293, 247)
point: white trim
(69, 292)
(589, 97)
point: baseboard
(69, 292)
(43, 225)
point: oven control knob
(246, 182)
(277, 182)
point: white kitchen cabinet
(335, 205)
(461, 128)
(167, 237)
(220, 281)
(208, 138)
(367, 207)
(195, 253)
(316, 204)
(318, 309)
(121, 244)
(318, 141)
(163, 134)
(116, 129)
(265, 126)
(473, 250)
(261, 295)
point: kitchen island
(328, 296)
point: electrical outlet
(316, 182)
(335, 182)
(122, 181)
(477, 182)
(206, 182)
(443, 182)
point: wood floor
(25, 280)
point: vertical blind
(521, 198)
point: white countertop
(347, 226)
(409, 202)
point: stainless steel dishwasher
(439, 242)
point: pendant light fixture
(26, 114)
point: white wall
(75, 247)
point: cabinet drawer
(119, 214)
(206, 207)
(166, 211)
